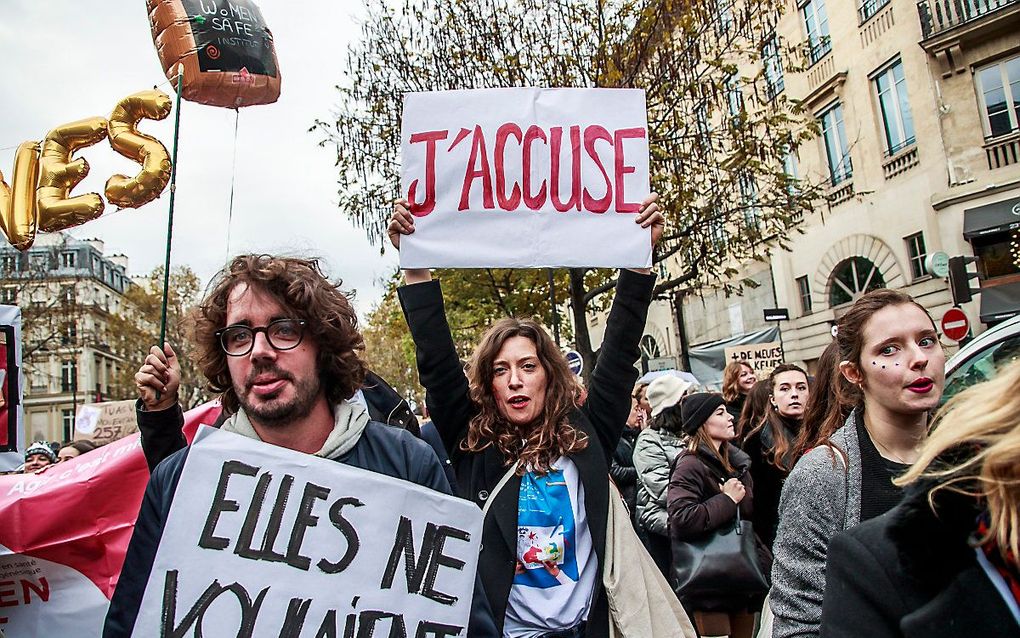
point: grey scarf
(350, 420)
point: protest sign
(265, 541)
(762, 357)
(525, 177)
(64, 535)
(102, 423)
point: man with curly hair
(279, 342)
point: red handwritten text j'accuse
(509, 197)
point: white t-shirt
(555, 547)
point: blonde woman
(945, 561)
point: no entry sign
(955, 324)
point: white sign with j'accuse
(264, 541)
(525, 178)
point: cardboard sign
(105, 422)
(762, 357)
(265, 541)
(525, 178)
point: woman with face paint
(891, 372)
(770, 445)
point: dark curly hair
(551, 435)
(300, 286)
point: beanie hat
(696, 409)
(41, 447)
(665, 392)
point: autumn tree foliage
(720, 129)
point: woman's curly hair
(538, 444)
(299, 286)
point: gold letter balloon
(132, 192)
(17, 204)
(44, 174)
(58, 174)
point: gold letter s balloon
(132, 192)
(17, 202)
(58, 174)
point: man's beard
(276, 413)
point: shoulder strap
(676, 459)
(492, 495)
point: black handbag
(727, 563)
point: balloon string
(233, 167)
(170, 217)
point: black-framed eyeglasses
(282, 334)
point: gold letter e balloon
(45, 173)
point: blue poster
(545, 532)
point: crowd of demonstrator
(42, 454)
(788, 507)
(871, 516)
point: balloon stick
(170, 217)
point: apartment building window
(749, 200)
(70, 333)
(724, 13)
(891, 87)
(804, 291)
(9, 295)
(67, 294)
(869, 8)
(816, 24)
(792, 171)
(772, 64)
(68, 376)
(717, 232)
(837, 150)
(10, 263)
(916, 254)
(734, 98)
(704, 127)
(999, 89)
(67, 260)
(67, 423)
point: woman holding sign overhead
(525, 444)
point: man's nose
(261, 348)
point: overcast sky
(64, 60)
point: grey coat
(654, 452)
(821, 498)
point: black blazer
(912, 574)
(602, 418)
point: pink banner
(64, 533)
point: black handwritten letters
(269, 516)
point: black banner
(231, 35)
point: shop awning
(999, 303)
(992, 218)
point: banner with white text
(265, 541)
(525, 178)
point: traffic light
(959, 279)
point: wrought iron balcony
(938, 16)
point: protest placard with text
(762, 357)
(525, 177)
(265, 541)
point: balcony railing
(941, 15)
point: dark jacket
(768, 481)
(911, 573)
(694, 499)
(622, 470)
(697, 507)
(381, 448)
(160, 438)
(601, 419)
(736, 406)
